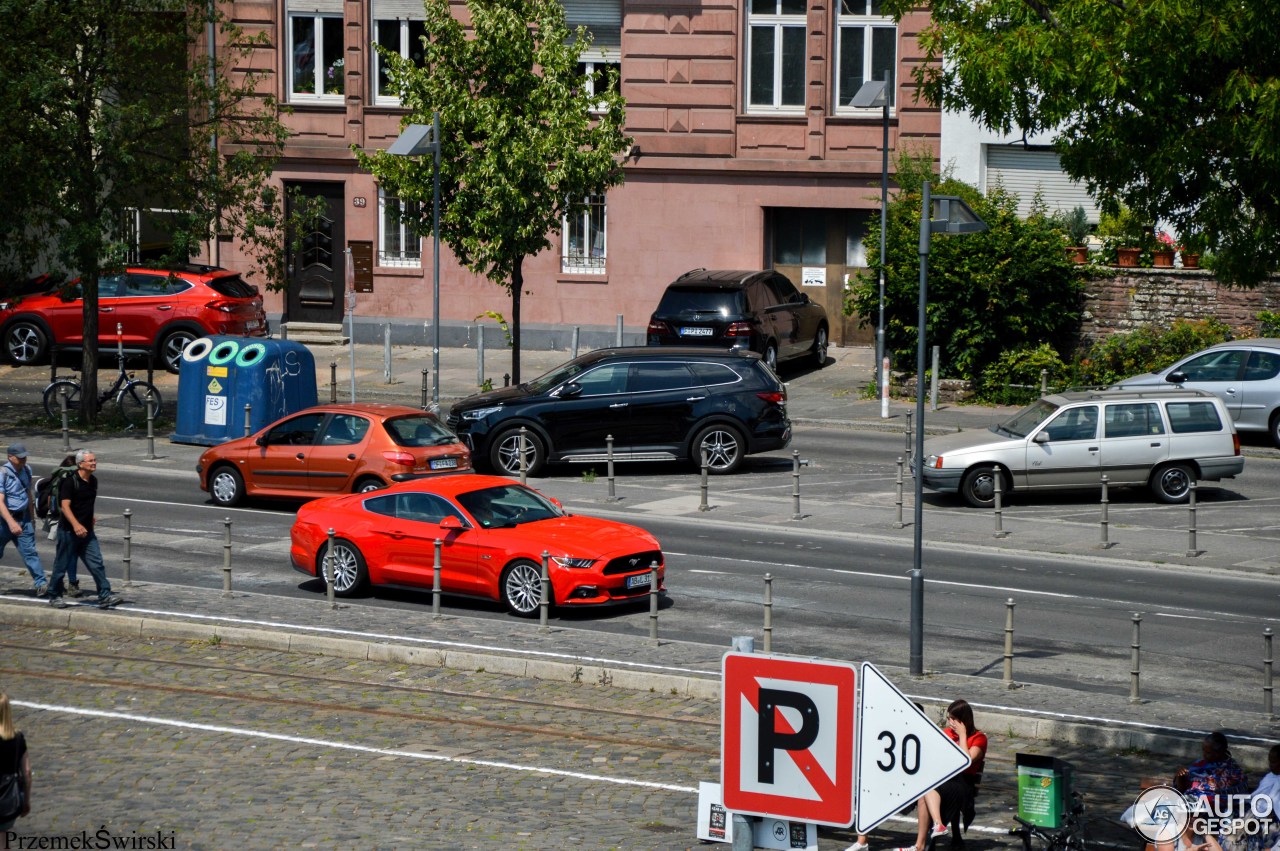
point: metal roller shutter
(602, 17)
(1023, 171)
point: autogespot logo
(1160, 814)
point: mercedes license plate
(640, 580)
(695, 332)
(444, 463)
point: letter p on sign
(788, 738)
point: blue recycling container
(219, 375)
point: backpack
(46, 490)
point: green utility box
(1044, 789)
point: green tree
(1171, 106)
(988, 292)
(111, 106)
(524, 140)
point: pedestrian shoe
(939, 830)
(57, 602)
(109, 601)
(862, 846)
(42, 588)
(73, 590)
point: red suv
(157, 310)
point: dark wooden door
(316, 272)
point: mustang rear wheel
(350, 576)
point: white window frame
(599, 60)
(779, 23)
(862, 26)
(317, 95)
(382, 98)
(588, 261)
(404, 256)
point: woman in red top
(939, 807)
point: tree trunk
(517, 286)
(89, 352)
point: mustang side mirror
(450, 523)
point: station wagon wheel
(820, 348)
(349, 572)
(504, 453)
(1172, 482)
(522, 588)
(1274, 429)
(725, 448)
(226, 485)
(979, 486)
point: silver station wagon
(1162, 439)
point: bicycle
(129, 394)
(1069, 837)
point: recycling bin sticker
(215, 410)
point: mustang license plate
(640, 580)
(695, 332)
(444, 463)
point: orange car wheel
(226, 485)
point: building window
(398, 241)
(318, 69)
(602, 75)
(867, 49)
(775, 55)
(403, 37)
(584, 239)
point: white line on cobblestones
(347, 746)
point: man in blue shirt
(17, 513)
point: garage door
(1023, 171)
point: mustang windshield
(507, 505)
(1022, 423)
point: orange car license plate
(444, 463)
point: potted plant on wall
(1122, 237)
(1193, 245)
(1076, 224)
(1164, 249)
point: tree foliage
(524, 141)
(987, 292)
(1171, 106)
(110, 107)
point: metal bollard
(608, 446)
(328, 569)
(998, 483)
(386, 354)
(248, 419)
(933, 379)
(1044, 382)
(1008, 643)
(479, 355)
(898, 524)
(544, 603)
(1192, 549)
(66, 426)
(796, 464)
(435, 581)
(1134, 668)
(128, 547)
(151, 427)
(702, 506)
(226, 558)
(653, 601)
(506, 379)
(618, 336)
(768, 613)
(333, 382)
(1104, 543)
(577, 333)
(1267, 708)
(909, 435)
(524, 447)
(426, 390)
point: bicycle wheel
(132, 401)
(53, 398)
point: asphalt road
(836, 594)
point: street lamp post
(875, 93)
(939, 214)
(416, 140)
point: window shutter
(326, 7)
(602, 17)
(1023, 171)
(400, 10)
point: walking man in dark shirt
(78, 496)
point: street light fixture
(941, 214)
(875, 93)
(416, 140)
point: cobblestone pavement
(219, 747)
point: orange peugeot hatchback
(332, 449)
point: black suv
(760, 311)
(659, 405)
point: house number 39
(358, 201)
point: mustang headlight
(480, 413)
(568, 561)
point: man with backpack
(48, 510)
(17, 513)
(78, 497)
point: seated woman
(1216, 774)
(939, 807)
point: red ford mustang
(492, 530)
